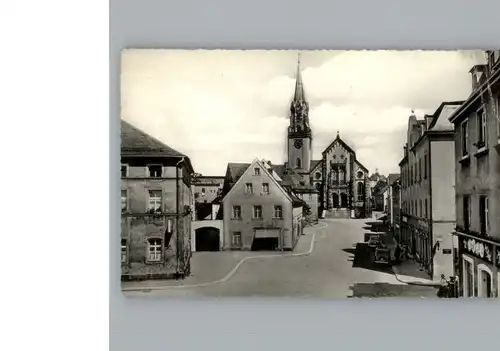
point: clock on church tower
(297, 143)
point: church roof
(299, 94)
(314, 164)
(341, 142)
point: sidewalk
(208, 267)
(408, 272)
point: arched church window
(318, 186)
(361, 190)
(299, 164)
(334, 175)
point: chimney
(478, 73)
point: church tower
(299, 131)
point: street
(321, 266)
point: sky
(220, 106)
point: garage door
(267, 233)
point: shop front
(479, 266)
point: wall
(211, 186)
(443, 181)
(138, 226)
(476, 176)
(246, 225)
(443, 263)
(219, 224)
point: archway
(207, 239)
(361, 191)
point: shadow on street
(363, 257)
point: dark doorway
(207, 239)
(343, 200)
(265, 244)
(335, 200)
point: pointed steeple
(299, 86)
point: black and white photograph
(323, 173)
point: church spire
(299, 86)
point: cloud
(233, 106)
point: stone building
(206, 188)
(477, 176)
(258, 213)
(427, 194)
(156, 202)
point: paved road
(327, 272)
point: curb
(231, 273)
(417, 283)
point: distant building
(258, 213)
(206, 188)
(394, 202)
(156, 202)
(477, 176)
(428, 197)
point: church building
(339, 178)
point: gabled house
(258, 212)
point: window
(411, 175)
(278, 212)
(420, 208)
(466, 212)
(248, 188)
(361, 191)
(420, 169)
(154, 171)
(483, 214)
(124, 200)
(202, 191)
(256, 171)
(481, 129)
(464, 138)
(360, 174)
(154, 250)
(468, 278)
(299, 164)
(124, 171)
(236, 239)
(265, 188)
(236, 212)
(318, 174)
(497, 112)
(124, 250)
(425, 209)
(257, 212)
(154, 200)
(425, 165)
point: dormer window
(154, 171)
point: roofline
(428, 135)
(435, 115)
(474, 96)
(263, 168)
(343, 144)
(362, 166)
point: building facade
(395, 206)
(427, 198)
(207, 188)
(477, 174)
(258, 213)
(157, 204)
